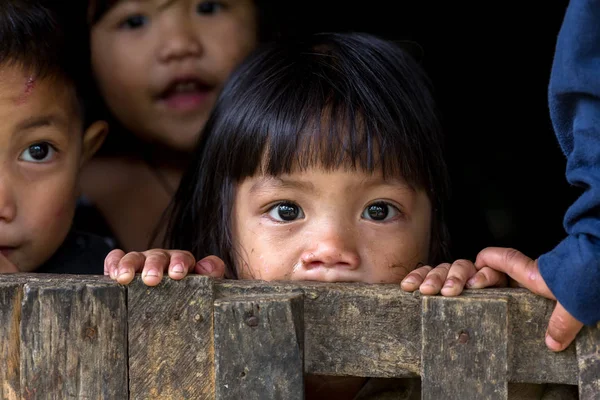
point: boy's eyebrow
(280, 183)
(40, 121)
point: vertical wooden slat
(464, 348)
(73, 341)
(588, 358)
(171, 353)
(259, 347)
(10, 359)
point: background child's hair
(331, 100)
(32, 38)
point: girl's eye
(380, 211)
(38, 153)
(209, 7)
(285, 212)
(134, 22)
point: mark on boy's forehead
(28, 89)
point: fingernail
(122, 271)
(152, 272)
(409, 281)
(207, 266)
(471, 282)
(428, 283)
(113, 273)
(552, 344)
(178, 268)
(449, 284)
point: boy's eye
(38, 153)
(380, 211)
(134, 22)
(209, 7)
(285, 212)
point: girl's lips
(185, 101)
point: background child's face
(40, 154)
(340, 226)
(160, 64)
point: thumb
(6, 267)
(517, 265)
(562, 329)
(211, 266)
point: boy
(42, 147)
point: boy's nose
(178, 42)
(8, 206)
(332, 249)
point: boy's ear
(93, 137)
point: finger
(181, 262)
(562, 329)
(128, 266)
(458, 274)
(211, 266)
(435, 280)
(157, 261)
(487, 277)
(112, 261)
(517, 265)
(7, 267)
(415, 278)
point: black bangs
(331, 102)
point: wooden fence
(82, 337)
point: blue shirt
(572, 269)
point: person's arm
(572, 269)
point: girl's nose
(179, 41)
(332, 249)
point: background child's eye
(38, 153)
(380, 211)
(134, 22)
(285, 212)
(209, 7)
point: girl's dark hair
(331, 100)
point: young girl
(321, 161)
(158, 67)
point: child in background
(158, 67)
(43, 145)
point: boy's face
(340, 226)
(160, 64)
(41, 150)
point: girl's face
(338, 226)
(160, 64)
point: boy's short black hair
(32, 38)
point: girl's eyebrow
(270, 183)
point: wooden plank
(352, 329)
(73, 341)
(465, 349)
(588, 358)
(259, 347)
(10, 351)
(171, 339)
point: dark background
(490, 65)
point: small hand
(153, 263)
(562, 327)
(451, 279)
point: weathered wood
(171, 339)
(73, 341)
(588, 357)
(259, 347)
(351, 329)
(527, 323)
(465, 349)
(10, 358)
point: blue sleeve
(572, 269)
